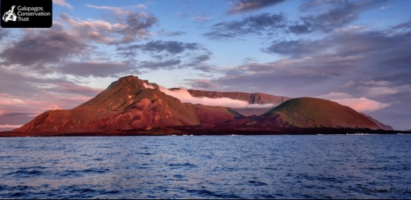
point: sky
(357, 53)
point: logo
(26, 13)
(9, 15)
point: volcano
(137, 106)
(129, 103)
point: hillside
(134, 106)
(316, 113)
(127, 104)
(378, 123)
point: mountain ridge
(126, 104)
(134, 104)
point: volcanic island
(131, 107)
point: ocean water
(312, 166)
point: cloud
(348, 84)
(58, 49)
(361, 104)
(184, 96)
(202, 58)
(24, 96)
(381, 90)
(403, 27)
(306, 76)
(196, 17)
(342, 57)
(3, 33)
(297, 48)
(378, 83)
(336, 95)
(97, 69)
(241, 6)
(93, 30)
(202, 84)
(160, 65)
(37, 104)
(343, 43)
(165, 55)
(69, 88)
(117, 10)
(172, 47)
(330, 15)
(142, 6)
(200, 63)
(43, 46)
(129, 27)
(262, 24)
(201, 18)
(15, 119)
(322, 17)
(137, 26)
(353, 51)
(385, 7)
(165, 33)
(346, 58)
(325, 65)
(62, 3)
(4, 127)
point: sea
(203, 167)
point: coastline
(198, 131)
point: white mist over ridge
(148, 86)
(184, 96)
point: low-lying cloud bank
(184, 96)
(361, 104)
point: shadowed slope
(212, 115)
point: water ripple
(250, 167)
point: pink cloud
(7, 126)
(361, 104)
(62, 3)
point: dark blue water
(317, 166)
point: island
(131, 106)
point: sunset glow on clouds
(355, 52)
(361, 104)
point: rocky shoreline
(199, 131)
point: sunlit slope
(128, 103)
